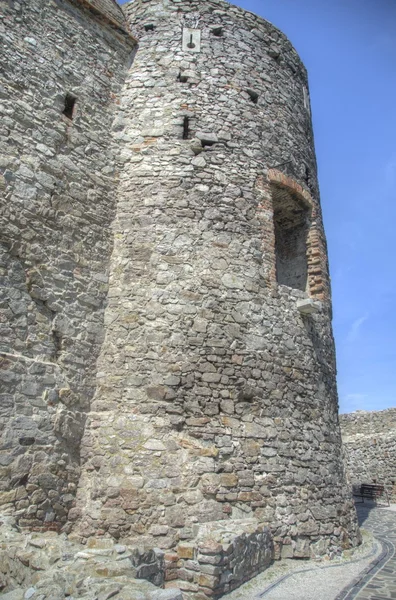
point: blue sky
(349, 49)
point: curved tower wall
(57, 199)
(216, 396)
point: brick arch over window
(292, 223)
(299, 257)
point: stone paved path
(379, 581)
(375, 581)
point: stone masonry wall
(369, 441)
(216, 397)
(224, 555)
(58, 183)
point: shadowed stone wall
(370, 447)
(58, 186)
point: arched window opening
(291, 224)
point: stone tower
(193, 391)
(216, 395)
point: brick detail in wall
(278, 178)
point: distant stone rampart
(369, 440)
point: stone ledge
(223, 556)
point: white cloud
(354, 330)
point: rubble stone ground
(49, 567)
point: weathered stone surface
(109, 9)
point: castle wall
(216, 397)
(58, 191)
(160, 223)
(370, 447)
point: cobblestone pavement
(378, 581)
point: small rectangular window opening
(182, 78)
(253, 95)
(70, 102)
(217, 31)
(186, 128)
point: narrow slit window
(291, 224)
(186, 128)
(70, 102)
(26, 441)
